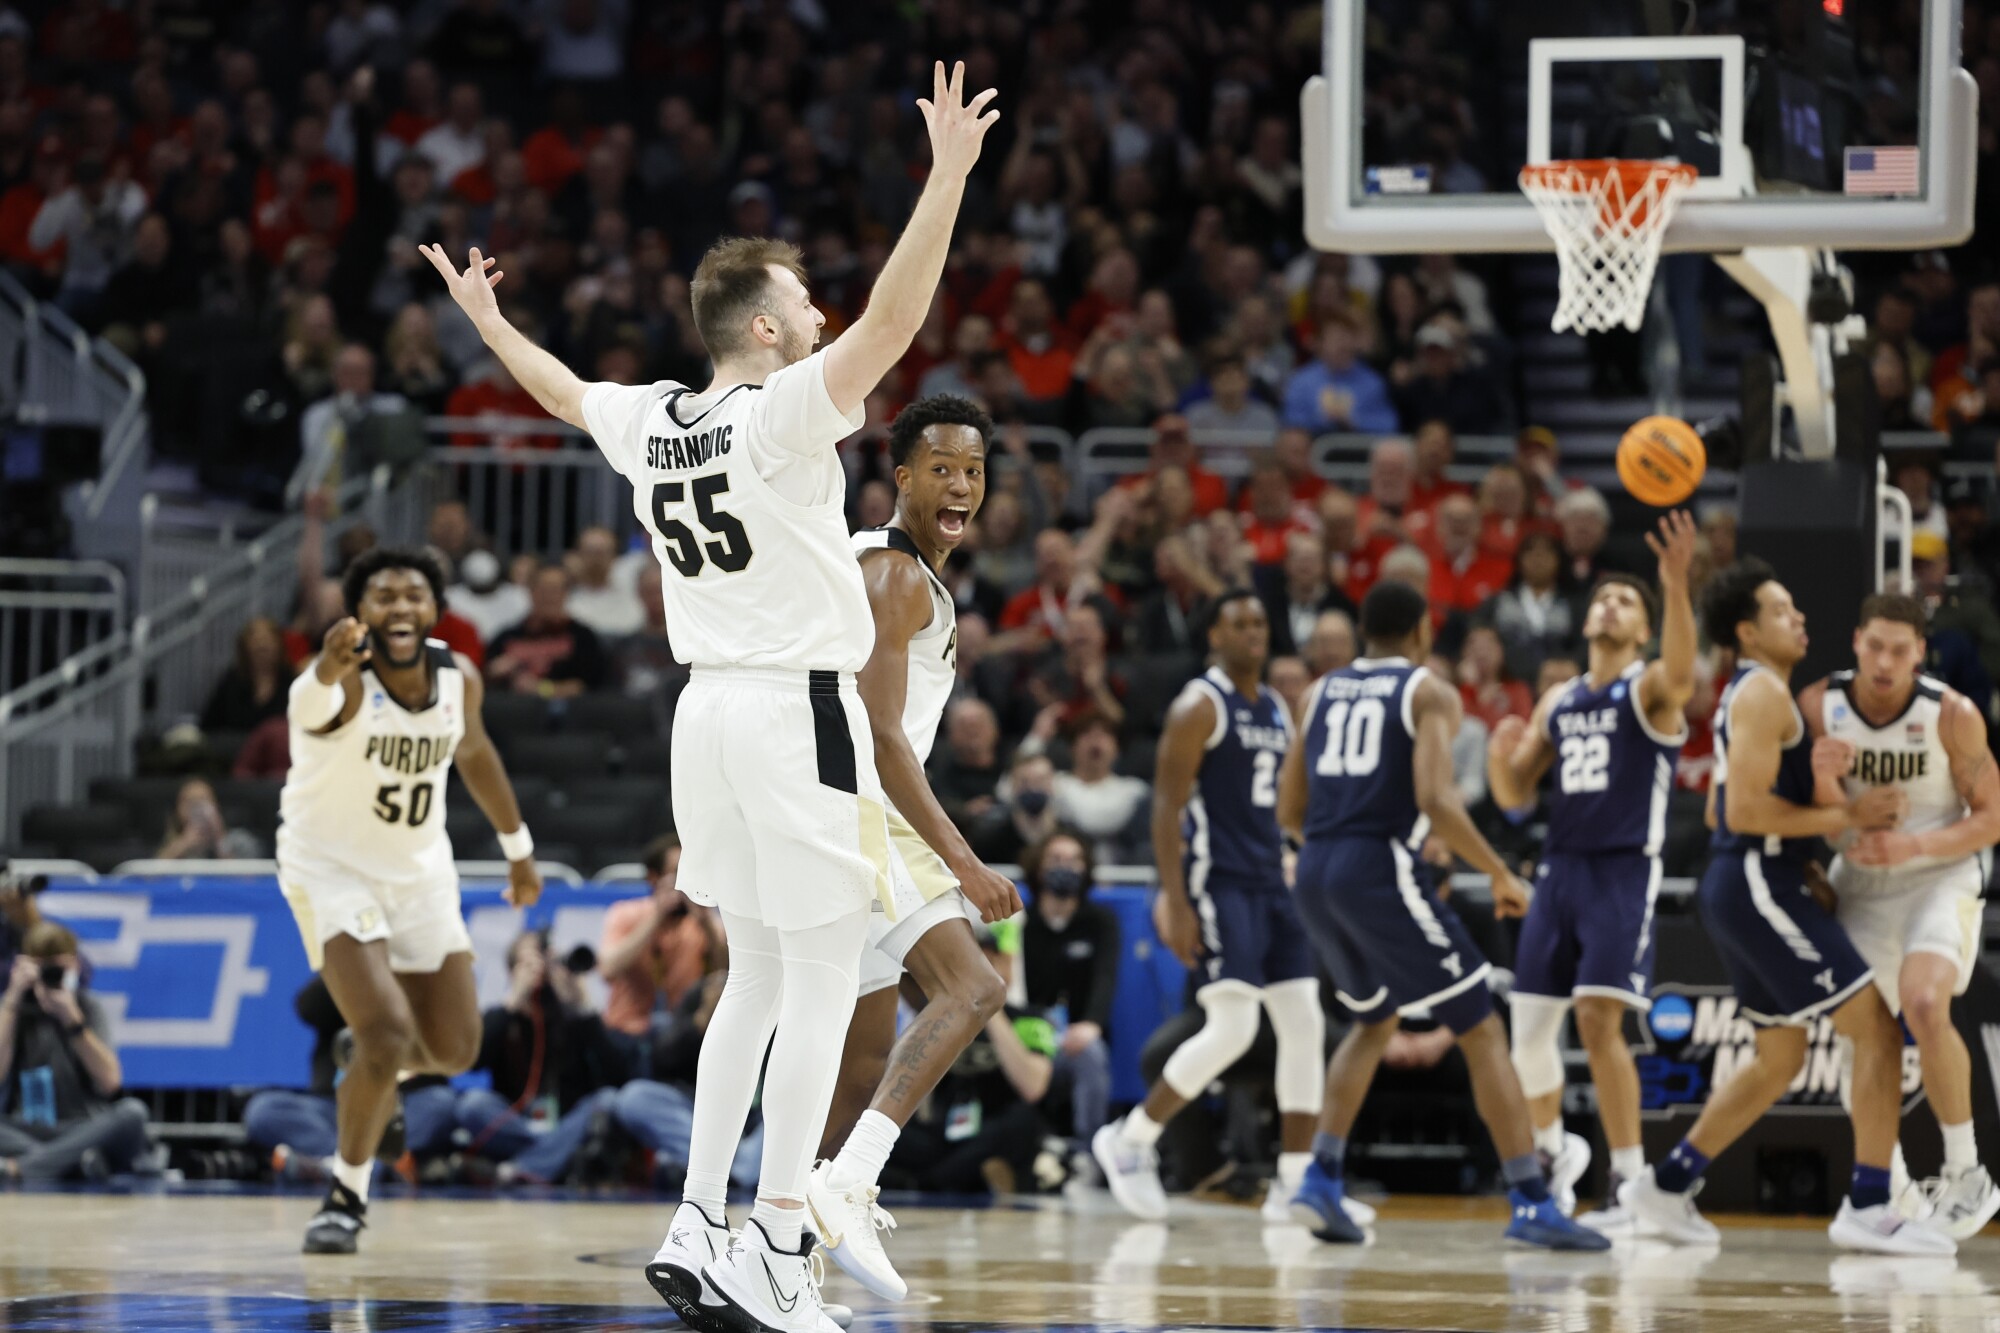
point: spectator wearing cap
(549, 653)
(1173, 449)
(1536, 453)
(1462, 575)
(1532, 616)
(1336, 391)
(1273, 517)
(1229, 403)
(484, 596)
(1444, 386)
(94, 215)
(1297, 592)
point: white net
(1607, 218)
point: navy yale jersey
(1231, 820)
(1613, 771)
(1360, 739)
(1794, 784)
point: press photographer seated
(59, 1072)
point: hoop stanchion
(1607, 217)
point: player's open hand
(996, 896)
(1510, 896)
(472, 289)
(1178, 927)
(1832, 759)
(524, 883)
(957, 128)
(1506, 737)
(1878, 808)
(1674, 547)
(343, 651)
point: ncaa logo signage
(1671, 1018)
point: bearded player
(1909, 896)
(376, 722)
(938, 446)
(1612, 736)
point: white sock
(785, 1226)
(708, 1192)
(1549, 1137)
(356, 1178)
(867, 1148)
(1140, 1128)
(1292, 1168)
(1628, 1163)
(732, 1058)
(1961, 1154)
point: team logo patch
(367, 919)
(1618, 690)
(1913, 732)
(377, 699)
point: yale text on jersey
(677, 452)
(1597, 722)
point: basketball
(1661, 460)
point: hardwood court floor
(168, 1262)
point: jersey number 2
(1264, 779)
(1353, 738)
(389, 806)
(1584, 761)
(730, 555)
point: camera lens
(52, 975)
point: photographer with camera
(655, 951)
(58, 1071)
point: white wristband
(314, 703)
(518, 845)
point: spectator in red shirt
(1392, 472)
(1074, 676)
(420, 109)
(1462, 576)
(1273, 517)
(1113, 287)
(1040, 354)
(1173, 447)
(1352, 558)
(1484, 686)
(1036, 613)
(555, 153)
(1503, 511)
(1293, 451)
(492, 394)
(308, 149)
(1436, 447)
(47, 176)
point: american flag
(1880, 171)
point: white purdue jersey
(369, 795)
(1905, 752)
(745, 499)
(933, 649)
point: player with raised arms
(775, 788)
(938, 446)
(1225, 910)
(377, 721)
(1368, 782)
(1612, 736)
(1787, 958)
(1909, 896)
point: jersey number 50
(684, 551)
(389, 807)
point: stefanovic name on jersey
(675, 452)
(410, 754)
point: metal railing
(83, 720)
(51, 610)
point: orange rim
(1582, 175)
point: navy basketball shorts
(1787, 959)
(1250, 931)
(1392, 946)
(1589, 930)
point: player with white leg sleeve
(775, 788)
(938, 446)
(1224, 909)
(1909, 896)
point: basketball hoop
(1607, 217)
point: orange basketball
(1661, 460)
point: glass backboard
(1835, 123)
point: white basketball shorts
(925, 893)
(775, 795)
(420, 918)
(1890, 915)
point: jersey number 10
(1353, 738)
(685, 552)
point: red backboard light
(1834, 8)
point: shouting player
(377, 720)
(1909, 896)
(1369, 780)
(1787, 958)
(1224, 909)
(774, 781)
(1612, 735)
(938, 446)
